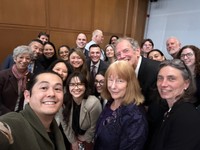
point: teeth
(49, 103)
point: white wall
(179, 18)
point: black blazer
(180, 130)
(103, 66)
(147, 77)
(9, 92)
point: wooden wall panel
(109, 15)
(13, 37)
(22, 20)
(23, 12)
(68, 14)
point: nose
(164, 83)
(51, 92)
(24, 60)
(113, 84)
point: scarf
(21, 78)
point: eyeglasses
(78, 85)
(189, 55)
(100, 82)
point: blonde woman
(122, 123)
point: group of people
(85, 97)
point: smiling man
(34, 128)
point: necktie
(93, 72)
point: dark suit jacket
(9, 92)
(180, 130)
(103, 66)
(147, 77)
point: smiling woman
(122, 123)
(175, 85)
(13, 80)
(81, 112)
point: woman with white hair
(13, 81)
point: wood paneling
(22, 20)
(68, 14)
(109, 15)
(23, 12)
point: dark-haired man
(34, 128)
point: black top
(75, 120)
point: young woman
(81, 112)
(146, 46)
(110, 54)
(63, 52)
(156, 54)
(78, 61)
(190, 54)
(99, 82)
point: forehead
(48, 45)
(75, 79)
(95, 49)
(99, 76)
(124, 44)
(24, 55)
(154, 53)
(60, 64)
(63, 48)
(49, 78)
(172, 40)
(81, 36)
(36, 44)
(169, 71)
(43, 36)
(187, 50)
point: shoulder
(150, 62)
(132, 111)
(91, 102)
(5, 74)
(181, 113)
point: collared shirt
(96, 65)
(138, 66)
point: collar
(97, 64)
(138, 66)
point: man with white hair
(97, 38)
(173, 46)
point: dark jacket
(147, 76)
(180, 130)
(9, 92)
(29, 133)
(124, 129)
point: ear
(187, 83)
(27, 96)
(14, 59)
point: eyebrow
(49, 83)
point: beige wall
(22, 20)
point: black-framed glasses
(78, 85)
(100, 82)
(188, 55)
